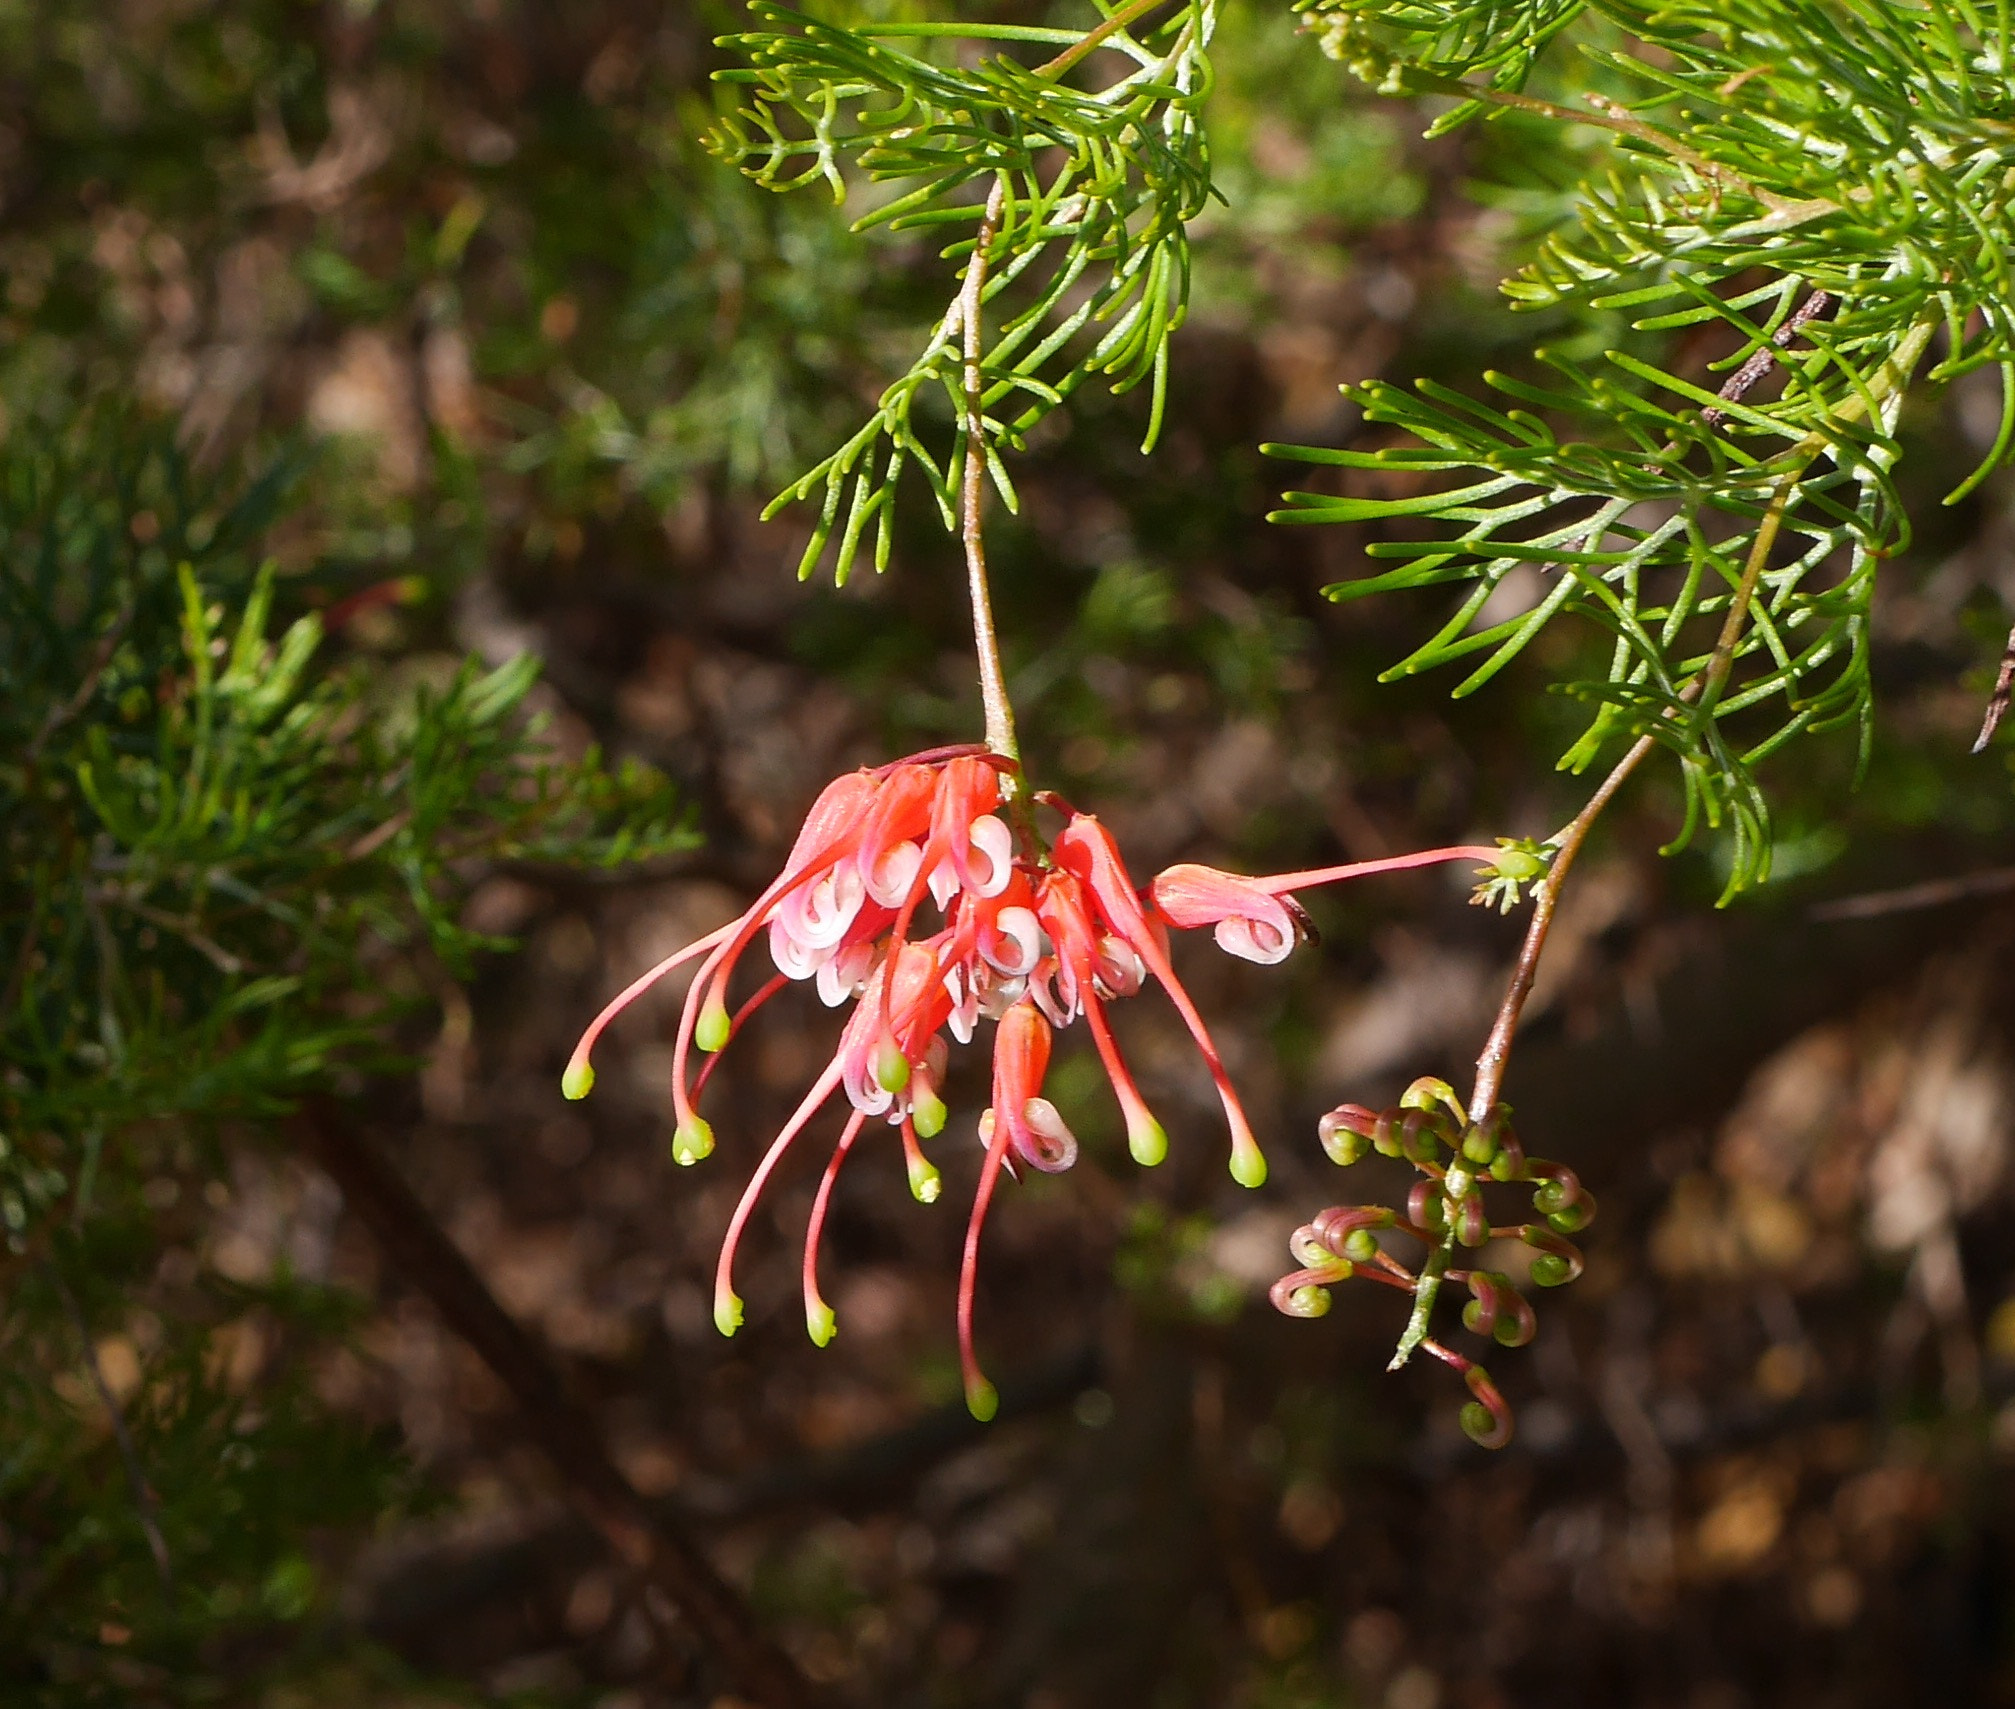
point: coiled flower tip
(909, 895)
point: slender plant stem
(1705, 689)
(1000, 732)
(1546, 896)
(650, 1542)
(1091, 39)
(145, 1502)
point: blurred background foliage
(439, 308)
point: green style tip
(982, 1399)
(713, 1028)
(578, 1081)
(892, 1068)
(820, 1324)
(1248, 1167)
(691, 1141)
(925, 1182)
(927, 1113)
(728, 1312)
(1147, 1139)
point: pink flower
(1028, 935)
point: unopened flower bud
(1385, 1133)
(1346, 1133)
(1417, 1136)
(1558, 1187)
(1556, 1262)
(1425, 1206)
(1572, 1219)
(1309, 1301)
(1472, 1224)
(1360, 1246)
(1309, 1248)
(1482, 1142)
(1486, 1420)
(1428, 1093)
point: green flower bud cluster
(1457, 1160)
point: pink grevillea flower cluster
(1029, 935)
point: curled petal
(818, 914)
(1044, 1141)
(795, 958)
(989, 857)
(1012, 941)
(845, 973)
(1117, 972)
(892, 873)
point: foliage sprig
(1087, 261)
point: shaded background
(468, 265)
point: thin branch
(1761, 362)
(146, 1503)
(1126, 15)
(645, 1539)
(101, 657)
(1000, 732)
(1997, 702)
(1546, 896)
(1933, 893)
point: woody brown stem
(1000, 732)
(642, 1536)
